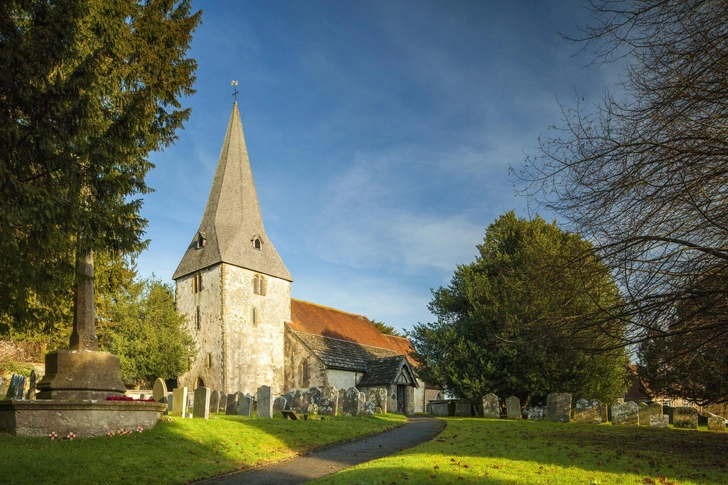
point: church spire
(232, 229)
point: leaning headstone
(513, 407)
(329, 404)
(279, 405)
(647, 411)
(685, 417)
(265, 402)
(491, 406)
(463, 408)
(31, 386)
(159, 391)
(223, 403)
(558, 407)
(16, 389)
(179, 402)
(214, 401)
(351, 402)
(661, 421)
(588, 411)
(201, 408)
(716, 423)
(534, 413)
(625, 414)
(245, 406)
(232, 403)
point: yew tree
(88, 88)
(505, 323)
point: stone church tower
(232, 284)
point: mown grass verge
(178, 452)
(526, 452)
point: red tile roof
(329, 322)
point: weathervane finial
(235, 91)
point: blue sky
(380, 135)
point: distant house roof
(387, 371)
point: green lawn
(473, 450)
(176, 452)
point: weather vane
(235, 91)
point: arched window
(254, 316)
(198, 318)
(304, 372)
(259, 285)
(199, 383)
(208, 360)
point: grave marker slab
(351, 402)
(660, 421)
(716, 423)
(290, 414)
(214, 401)
(245, 405)
(558, 407)
(223, 403)
(513, 407)
(179, 402)
(265, 402)
(534, 413)
(625, 414)
(588, 411)
(279, 405)
(491, 406)
(685, 417)
(330, 401)
(201, 408)
(463, 408)
(647, 411)
(159, 390)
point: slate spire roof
(232, 229)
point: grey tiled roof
(383, 371)
(340, 354)
(232, 216)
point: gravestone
(16, 389)
(214, 401)
(362, 402)
(685, 417)
(660, 421)
(169, 401)
(534, 413)
(716, 423)
(351, 402)
(159, 390)
(245, 405)
(279, 405)
(558, 407)
(647, 411)
(179, 402)
(223, 403)
(588, 411)
(265, 402)
(330, 401)
(491, 406)
(605, 413)
(625, 414)
(378, 395)
(314, 396)
(342, 393)
(463, 408)
(201, 408)
(31, 386)
(513, 407)
(438, 408)
(299, 403)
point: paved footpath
(317, 464)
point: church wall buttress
(198, 296)
(295, 354)
(254, 330)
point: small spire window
(257, 242)
(201, 240)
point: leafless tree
(644, 173)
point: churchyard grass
(176, 452)
(473, 450)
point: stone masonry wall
(209, 336)
(295, 352)
(254, 352)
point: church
(235, 290)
